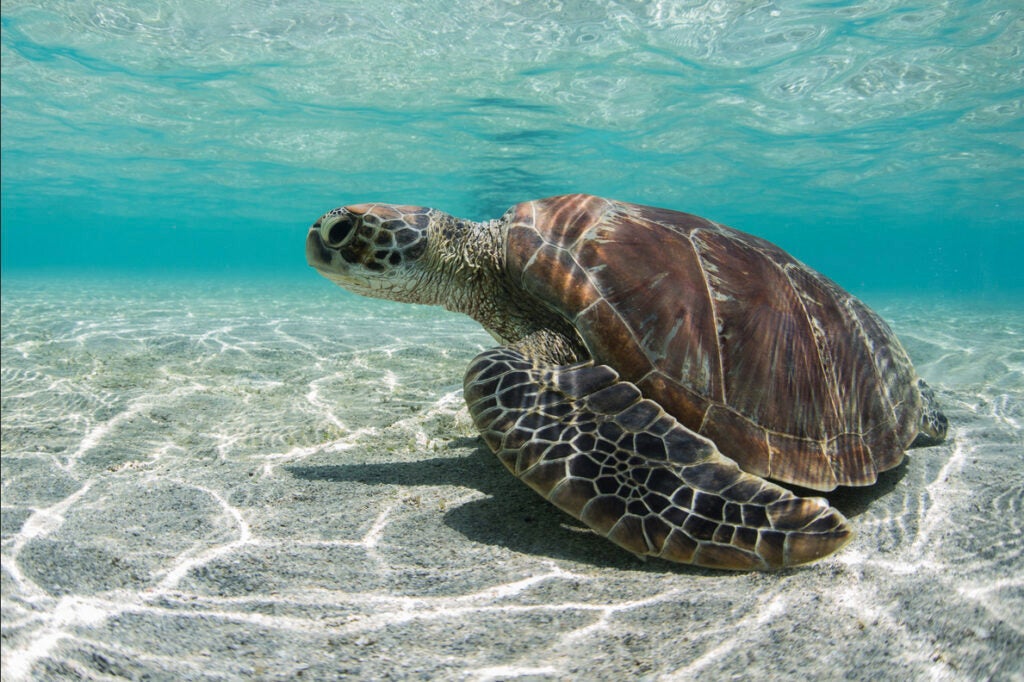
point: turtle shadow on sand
(511, 517)
(853, 502)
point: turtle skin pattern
(594, 447)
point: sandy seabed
(268, 480)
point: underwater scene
(217, 464)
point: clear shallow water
(165, 346)
(879, 141)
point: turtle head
(372, 249)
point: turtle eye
(335, 230)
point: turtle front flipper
(594, 447)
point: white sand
(263, 479)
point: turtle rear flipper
(933, 422)
(594, 447)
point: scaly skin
(592, 446)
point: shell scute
(801, 459)
(852, 460)
(608, 336)
(658, 287)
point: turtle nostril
(335, 232)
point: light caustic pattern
(220, 481)
(746, 106)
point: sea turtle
(655, 368)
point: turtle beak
(317, 254)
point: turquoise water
(217, 465)
(878, 141)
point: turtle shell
(791, 376)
